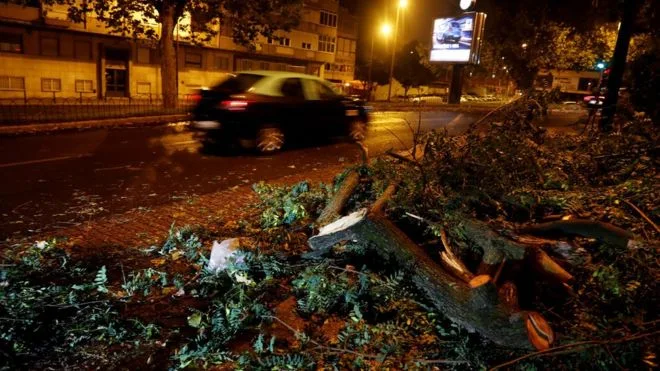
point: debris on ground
(510, 246)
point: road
(57, 180)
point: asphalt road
(57, 180)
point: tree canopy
(411, 69)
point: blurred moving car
(270, 107)
(452, 34)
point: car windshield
(239, 83)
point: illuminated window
(84, 86)
(144, 88)
(48, 84)
(327, 43)
(12, 83)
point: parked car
(272, 107)
(452, 35)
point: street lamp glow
(403, 4)
(600, 65)
(386, 29)
(524, 45)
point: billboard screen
(457, 39)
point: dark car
(452, 34)
(272, 107)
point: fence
(57, 109)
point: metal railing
(28, 110)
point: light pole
(401, 6)
(385, 31)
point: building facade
(44, 55)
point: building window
(84, 86)
(144, 88)
(193, 59)
(285, 41)
(587, 84)
(328, 19)
(143, 55)
(48, 84)
(11, 43)
(306, 45)
(246, 65)
(222, 62)
(327, 43)
(82, 50)
(12, 83)
(50, 46)
(326, 66)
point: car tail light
(234, 105)
(196, 98)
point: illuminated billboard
(458, 39)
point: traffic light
(605, 77)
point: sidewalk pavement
(7, 130)
(141, 227)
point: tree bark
(476, 308)
(618, 65)
(332, 210)
(168, 61)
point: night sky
(417, 20)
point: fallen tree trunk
(476, 306)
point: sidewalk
(144, 227)
(8, 130)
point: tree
(410, 70)
(555, 34)
(247, 19)
(379, 74)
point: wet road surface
(58, 180)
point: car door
(330, 113)
(293, 110)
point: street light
(385, 31)
(401, 6)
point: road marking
(43, 160)
(183, 143)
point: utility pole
(371, 64)
(396, 31)
(618, 64)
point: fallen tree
(477, 174)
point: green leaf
(195, 320)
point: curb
(90, 124)
(431, 107)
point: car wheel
(358, 130)
(270, 138)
